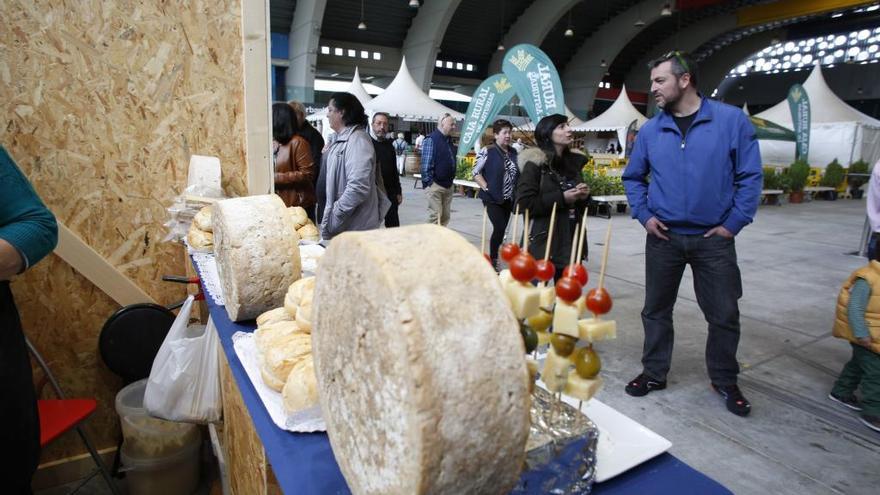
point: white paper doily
(209, 275)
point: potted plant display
(857, 176)
(833, 177)
(797, 174)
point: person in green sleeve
(858, 321)
(28, 233)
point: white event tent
(617, 118)
(837, 130)
(404, 98)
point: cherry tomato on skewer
(576, 271)
(509, 250)
(544, 270)
(568, 289)
(599, 301)
(522, 267)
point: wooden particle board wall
(103, 104)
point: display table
(303, 463)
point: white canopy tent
(617, 118)
(355, 87)
(837, 130)
(404, 98)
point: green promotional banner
(799, 103)
(764, 129)
(536, 81)
(486, 103)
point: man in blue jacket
(705, 184)
(438, 170)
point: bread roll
(202, 220)
(199, 239)
(295, 294)
(304, 317)
(309, 232)
(273, 316)
(273, 335)
(270, 380)
(301, 390)
(278, 360)
(298, 216)
(421, 392)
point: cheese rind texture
(257, 254)
(420, 365)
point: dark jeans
(718, 287)
(20, 435)
(862, 371)
(391, 218)
(499, 215)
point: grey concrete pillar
(424, 37)
(305, 33)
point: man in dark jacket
(387, 159)
(316, 146)
(705, 185)
(438, 170)
(28, 233)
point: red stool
(58, 416)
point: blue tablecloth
(303, 463)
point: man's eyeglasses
(677, 56)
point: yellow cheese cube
(582, 388)
(556, 371)
(524, 299)
(565, 319)
(543, 337)
(593, 330)
(548, 296)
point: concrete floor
(793, 259)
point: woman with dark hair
(551, 174)
(497, 174)
(353, 198)
(294, 168)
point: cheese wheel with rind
(420, 365)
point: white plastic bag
(184, 383)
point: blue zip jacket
(711, 177)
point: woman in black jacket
(497, 173)
(551, 174)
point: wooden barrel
(413, 162)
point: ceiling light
(603, 63)
(639, 23)
(414, 4)
(569, 32)
(500, 47)
(666, 11)
(362, 25)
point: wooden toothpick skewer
(483, 236)
(582, 237)
(526, 232)
(513, 230)
(550, 232)
(605, 256)
(574, 245)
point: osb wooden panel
(103, 104)
(245, 457)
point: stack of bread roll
(284, 343)
(304, 227)
(201, 233)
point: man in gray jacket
(355, 196)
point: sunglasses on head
(677, 56)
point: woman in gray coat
(355, 197)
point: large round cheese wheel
(420, 364)
(257, 254)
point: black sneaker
(849, 401)
(872, 422)
(734, 399)
(643, 384)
